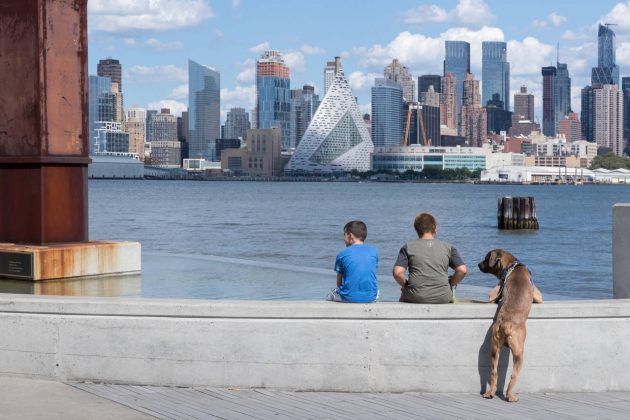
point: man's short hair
(357, 228)
(424, 223)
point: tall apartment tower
(570, 127)
(204, 110)
(236, 123)
(448, 102)
(427, 80)
(524, 105)
(549, 90)
(111, 68)
(330, 71)
(457, 62)
(387, 110)
(474, 117)
(400, 74)
(495, 73)
(136, 126)
(304, 104)
(587, 114)
(273, 95)
(606, 72)
(100, 106)
(625, 90)
(562, 94)
(119, 113)
(608, 126)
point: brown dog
(515, 294)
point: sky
(153, 39)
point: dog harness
(504, 277)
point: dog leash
(504, 277)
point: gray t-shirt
(427, 261)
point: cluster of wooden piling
(517, 213)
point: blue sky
(153, 39)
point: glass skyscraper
(273, 95)
(549, 90)
(204, 110)
(457, 62)
(606, 72)
(562, 94)
(625, 89)
(100, 106)
(387, 110)
(495, 73)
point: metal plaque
(16, 265)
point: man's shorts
(334, 296)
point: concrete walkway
(38, 399)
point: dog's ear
(493, 258)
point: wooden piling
(517, 213)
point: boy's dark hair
(424, 223)
(357, 228)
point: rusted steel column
(43, 121)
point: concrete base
(59, 261)
(621, 251)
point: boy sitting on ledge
(356, 267)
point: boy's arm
(339, 278)
(399, 275)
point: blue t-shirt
(357, 265)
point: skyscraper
(524, 105)
(587, 114)
(304, 103)
(100, 106)
(273, 96)
(457, 62)
(400, 74)
(474, 117)
(549, 90)
(608, 125)
(387, 110)
(163, 126)
(448, 102)
(625, 89)
(111, 68)
(427, 80)
(562, 94)
(570, 127)
(136, 126)
(337, 139)
(430, 111)
(495, 73)
(606, 72)
(236, 123)
(204, 108)
(330, 71)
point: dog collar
(504, 276)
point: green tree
(610, 161)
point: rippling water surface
(242, 239)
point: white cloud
(236, 4)
(467, 12)
(154, 44)
(152, 15)
(365, 108)
(312, 50)
(168, 73)
(569, 35)
(295, 61)
(219, 33)
(623, 53)
(619, 15)
(247, 75)
(362, 82)
(176, 107)
(240, 96)
(528, 56)
(554, 19)
(264, 46)
(180, 92)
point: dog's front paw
(512, 398)
(488, 394)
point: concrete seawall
(387, 347)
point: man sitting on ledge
(427, 260)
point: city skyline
(153, 42)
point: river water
(278, 240)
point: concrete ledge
(384, 347)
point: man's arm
(399, 275)
(458, 276)
(339, 278)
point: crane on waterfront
(414, 106)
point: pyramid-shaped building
(337, 139)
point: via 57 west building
(337, 139)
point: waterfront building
(261, 156)
(457, 62)
(400, 74)
(427, 80)
(608, 107)
(387, 112)
(273, 97)
(100, 106)
(448, 102)
(182, 134)
(166, 153)
(625, 89)
(570, 127)
(204, 109)
(474, 126)
(495, 73)
(110, 138)
(136, 125)
(499, 119)
(162, 127)
(304, 104)
(606, 72)
(524, 105)
(337, 140)
(330, 71)
(223, 144)
(111, 68)
(236, 123)
(417, 157)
